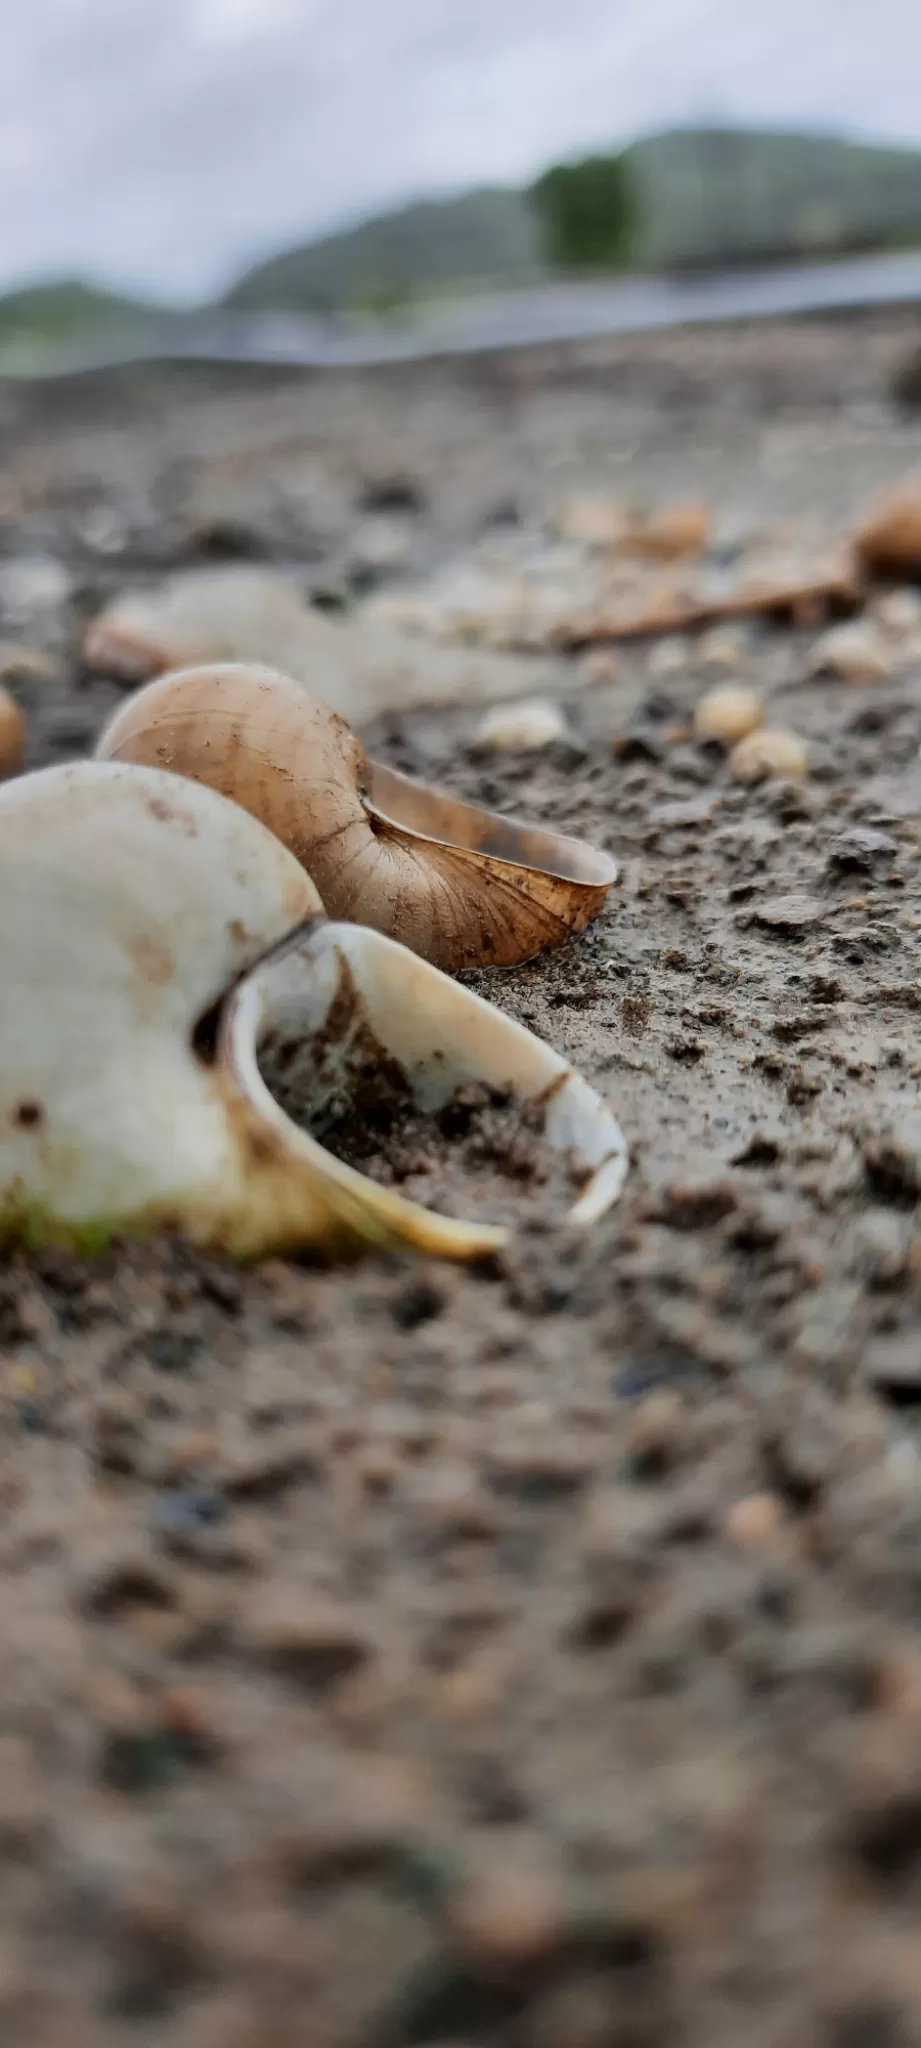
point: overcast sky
(162, 144)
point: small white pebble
(519, 728)
(898, 612)
(669, 656)
(722, 650)
(769, 751)
(728, 714)
(855, 653)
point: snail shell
(136, 909)
(461, 886)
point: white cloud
(161, 143)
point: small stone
(889, 543)
(33, 583)
(898, 612)
(728, 714)
(12, 735)
(591, 521)
(521, 728)
(30, 664)
(381, 546)
(772, 750)
(671, 535)
(311, 1636)
(754, 1520)
(511, 1912)
(669, 657)
(861, 850)
(855, 653)
(723, 651)
(785, 915)
(655, 1433)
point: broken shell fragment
(461, 886)
(155, 940)
(771, 750)
(12, 734)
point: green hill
(430, 246)
(718, 195)
(735, 194)
(68, 311)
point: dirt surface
(528, 1658)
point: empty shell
(155, 939)
(461, 886)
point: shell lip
(440, 819)
(376, 1211)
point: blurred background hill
(683, 200)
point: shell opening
(431, 814)
(420, 1098)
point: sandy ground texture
(528, 1658)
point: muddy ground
(528, 1658)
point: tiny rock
(754, 1520)
(855, 653)
(12, 734)
(728, 714)
(898, 612)
(593, 522)
(723, 651)
(33, 583)
(669, 536)
(669, 657)
(772, 750)
(519, 728)
(889, 543)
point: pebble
(669, 657)
(772, 750)
(728, 714)
(855, 652)
(511, 1912)
(33, 583)
(898, 612)
(12, 734)
(592, 522)
(889, 543)
(521, 728)
(754, 1520)
(315, 1638)
(786, 915)
(669, 536)
(722, 650)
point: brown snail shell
(460, 886)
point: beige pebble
(520, 728)
(898, 612)
(512, 1910)
(670, 535)
(12, 734)
(770, 751)
(592, 521)
(722, 650)
(889, 544)
(728, 714)
(753, 1520)
(855, 653)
